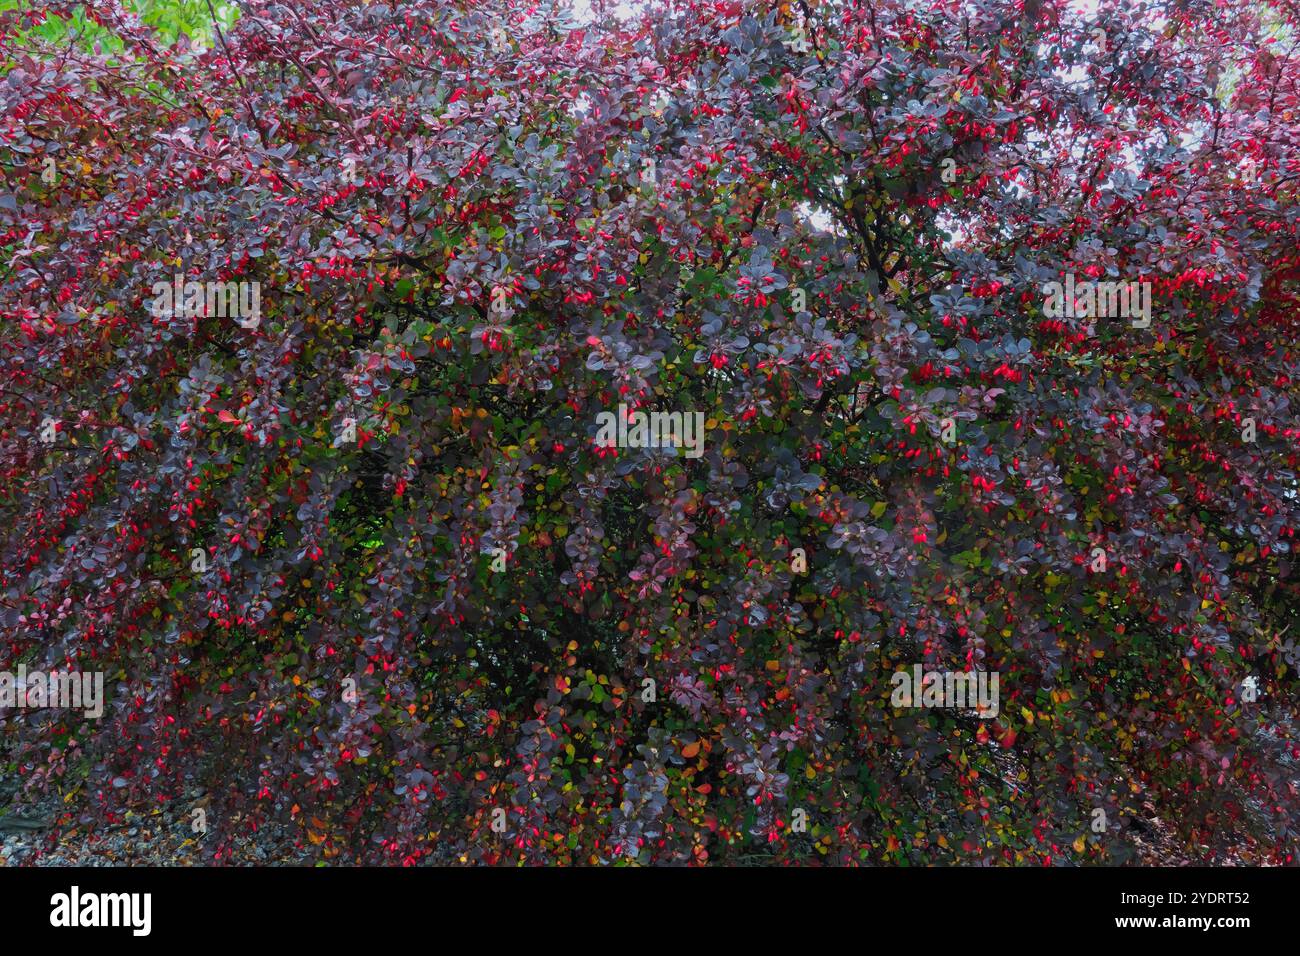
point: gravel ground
(160, 838)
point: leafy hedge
(361, 569)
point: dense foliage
(361, 568)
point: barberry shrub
(358, 568)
